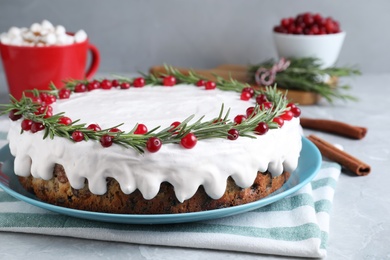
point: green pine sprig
(306, 74)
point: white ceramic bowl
(324, 47)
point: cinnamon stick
(334, 127)
(346, 160)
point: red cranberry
(47, 98)
(36, 100)
(94, 127)
(280, 29)
(26, 124)
(40, 110)
(80, 88)
(298, 30)
(77, 136)
(266, 105)
(308, 19)
(174, 126)
(317, 18)
(261, 128)
(153, 144)
(233, 134)
(245, 96)
(106, 140)
(114, 130)
(279, 121)
(64, 93)
(200, 83)
(36, 126)
(169, 81)
(250, 112)
(139, 82)
(239, 118)
(13, 115)
(106, 84)
(189, 141)
(50, 99)
(93, 85)
(141, 129)
(210, 85)
(291, 29)
(287, 115)
(249, 90)
(64, 120)
(260, 99)
(47, 111)
(48, 114)
(43, 95)
(294, 109)
(115, 83)
(125, 85)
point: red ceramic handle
(94, 62)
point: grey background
(133, 35)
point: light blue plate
(308, 166)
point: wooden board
(240, 73)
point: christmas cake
(154, 145)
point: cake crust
(58, 191)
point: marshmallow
(43, 34)
(69, 40)
(61, 39)
(60, 30)
(50, 39)
(5, 39)
(80, 36)
(16, 41)
(29, 36)
(36, 27)
(14, 32)
(46, 25)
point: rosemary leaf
(306, 74)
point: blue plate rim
(307, 147)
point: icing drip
(209, 163)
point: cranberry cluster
(262, 100)
(309, 24)
(104, 84)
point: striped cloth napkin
(297, 225)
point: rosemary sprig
(217, 127)
(306, 74)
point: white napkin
(297, 225)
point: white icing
(209, 163)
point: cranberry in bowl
(309, 35)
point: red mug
(36, 67)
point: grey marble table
(360, 219)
